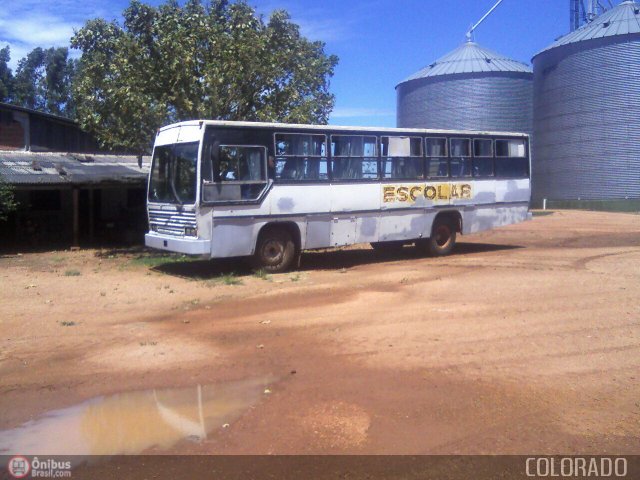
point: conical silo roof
(621, 20)
(470, 58)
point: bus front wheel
(275, 251)
(443, 238)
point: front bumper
(190, 246)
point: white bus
(269, 190)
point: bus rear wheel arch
(443, 235)
(276, 248)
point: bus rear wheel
(443, 238)
(275, 251)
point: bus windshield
(173, 174)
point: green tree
(216, 60)
(28, 76)
(7, 199)
(6, 76)
(43, 81)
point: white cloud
(37, 30)
(324, 29)
(27, 33)
(313, 22)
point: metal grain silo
(587, 112)
(470, 88)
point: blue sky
(379, 42)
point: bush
(8, 202)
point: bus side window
(228, 165)
(209, 153)
(460, 161)
(239, 173)
(354, 157)
(437, 163)
(511, 159)
(300, 157)
(402, 157)
(482, 157)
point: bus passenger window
(510, 148)
(483, 157)
(460, 162)
(300, 157)
(239, 173)
(482, 147)
(241, 164)
(354, 157)
(370, 168)
(511, 159)
(301, 169)
(436, 147)
(437, 164)
(402, 157)
(460, 147)
(228, 165)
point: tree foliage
(7, 199)
(43, 81)
(215, 60)
(6, 76)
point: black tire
(443, 238)
(275, 250)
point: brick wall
(11, 136)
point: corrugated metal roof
(621, 20)
(9, 106)
(29, 168)
(470, 58)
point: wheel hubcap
(273, 251)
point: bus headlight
(190, 232)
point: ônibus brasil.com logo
(19, 466)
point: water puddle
(130, 423)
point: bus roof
(338, 128)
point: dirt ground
(526, 340)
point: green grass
(230, 279)
(67, 324)
(72, 273)
(156, 259)
(262, 274)
(225, 279)
(295, 277)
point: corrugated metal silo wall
(496, 102)
(586, 121)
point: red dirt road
(526, 340)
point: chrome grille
(171, 222)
